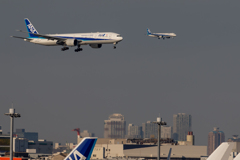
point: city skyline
(55, 92)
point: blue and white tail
(148, 31)
(30, 28)
(83, 150)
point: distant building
(234, 139)
(4, 143)
(134, 131)
(150, 130)
(85, 133)
(166, 132)
(20, 133)
(215, 138)
(115, 126)
(182, 124)
(0, 130)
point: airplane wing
(162, 35)
(20, 37)
(48, 37)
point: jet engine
(71, 42)
(95, 45)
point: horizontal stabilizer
(20, 37)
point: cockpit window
(118, 35)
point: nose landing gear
(114, 47)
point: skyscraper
(115, 126)
(134, 131)
(215, 138)
(182, 123)
(150, 130)
(166, 132)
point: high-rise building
(115, 126)
(134, 131)
(215, 138)
(182, 124)
(150, 130)
(85, 133)
(166, 132)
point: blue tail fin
(83, 150)
(148, 31)
(30, 28)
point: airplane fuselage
(85, 38)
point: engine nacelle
(95, 45)
(71, 42)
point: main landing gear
(64, 48)
(78, 49)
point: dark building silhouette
(215, 138)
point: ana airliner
(94, 40)
(161, 35)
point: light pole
(12, 115)
(159, 122)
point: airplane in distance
(94, 40)
(83, 150)
(160, 35)
(222, 152)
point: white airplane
(222, 152)
(94, 40)
(161, 35)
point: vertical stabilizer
(84, 149)
(30, 28)
(148, 31)
(222, 152)
(169, 154)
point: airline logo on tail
(84, 149)
(31, 28)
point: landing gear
(64, 48)
(78, 49)
(114, 47)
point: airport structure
(182, 124)
(215, 138)
(115, 126)
(33, 136)
(134, 131)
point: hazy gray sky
(196, 73)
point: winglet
(84, 149)
(222, 152)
